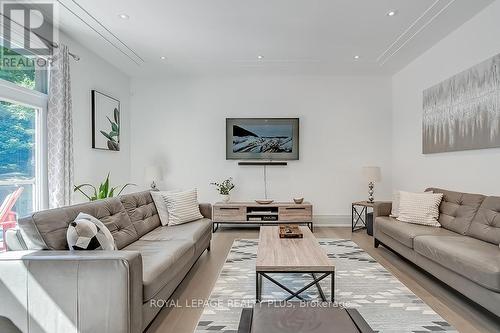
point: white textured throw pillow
(396, 197)
(88, 233)
(420, 208)
(161, 205)
(182, 207)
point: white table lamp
(152, 174)
(372, 174)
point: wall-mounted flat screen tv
(262, 138)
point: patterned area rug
(360, 282)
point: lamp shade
(153, 173)
(372, 173)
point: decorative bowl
(264, 201)
(298, 201)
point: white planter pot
(225, 197)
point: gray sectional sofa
(44, 287)
(463, 253)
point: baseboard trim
(332, 220)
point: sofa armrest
(14, 240)
(382, 208)
(71, 291)
(206, 210)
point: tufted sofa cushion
(486, 224)
(142, 211)
(51, 225)
(458, 209)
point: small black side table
(359, 217)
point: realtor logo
(27, 27)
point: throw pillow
(88, 233)
(182, 207)
(420, 208)
(396, 196)
(161, 205)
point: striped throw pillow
(420, 208)
(161, 205)
(182, 207)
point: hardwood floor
(461, 313)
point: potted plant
(104, 191)
(224, 188)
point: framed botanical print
(105, 122)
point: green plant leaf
(124, 186)
(106, 135)
(114, 126)
(116, 115)
(103, 191)
(106, 185)
(79, 189)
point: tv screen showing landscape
(262, 138)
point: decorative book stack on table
(262, 214)
(290, 231)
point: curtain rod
(56, 46)
(73, 55)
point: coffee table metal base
(316, 279)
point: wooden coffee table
(298, 255)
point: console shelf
(248, 213)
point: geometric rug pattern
(360, 282)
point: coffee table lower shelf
(215, 223)
(296, 294)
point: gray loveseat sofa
(44, 287)
(464, 253)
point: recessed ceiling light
(163, 57)
(392, 13)
(356, 57)
(260, 57)
(124, 16)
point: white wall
(471, 171)
(345, 124)
(93, 72)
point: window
(22, 138)
(22, 71)
(18, 154)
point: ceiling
(293, 36)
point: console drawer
(229, 214)
(296, 214)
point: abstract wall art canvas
(105, 122)
(463, 112)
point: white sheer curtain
(60, 131)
